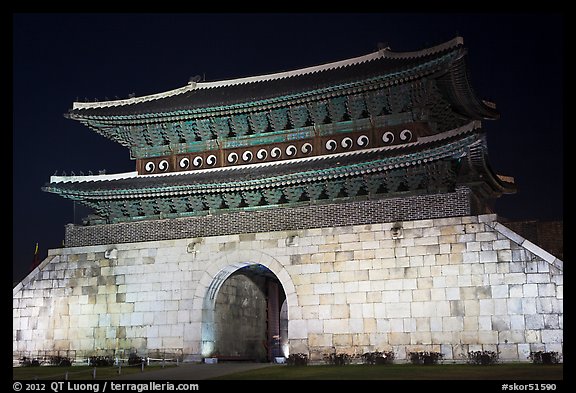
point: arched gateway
(212, 282)
(359, 190)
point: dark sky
(515, 60)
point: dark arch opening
(247, 316)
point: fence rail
(43, 359)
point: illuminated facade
(346, 206)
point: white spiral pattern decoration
(363, 141)
(197, 162)
(275, 152)
(306, 148)
(347, 143)
(331, 145)
(388, 137)
(184, 163)
(163, 165)
(232, 158)
(149, 167)
(406, 135)
(247, 156)
(261, 154)
(211, 160)
(291, 150)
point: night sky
(515, 61)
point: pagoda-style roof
(384, 66)
(374, 126)
(429, 85)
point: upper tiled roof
(394, 67)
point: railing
(42, 359)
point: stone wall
(450, 284)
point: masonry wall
(449, 284)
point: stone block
(546, 290)
(486, 236)
(442, 308)
(544, 305)
(365, 310)
(487, 337)
(370, 326)
(397, 338)
(356, 297)
(452, 293)
(305, 300)
(393, 284)
(486, 307)
(398, 310)
(421, 309)
(419, 295)
(552, 336)
(298, 328)
(340, 311)
(530, 290)
(539, 278)
(324, 311)
(485, 246)
(452, 324)
(319, 289)
(488, 256)
(500, 291)
(423, 283)
(356, 325)
(471, 257)
(409, 325)
(535, 322)
(437, 294)
(551, 321)
(439, 282)
(405, 296)
(374, 296)
(320, 340)
(336, 326)
(364, 285)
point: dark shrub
(297, 359)
(60, 361)
(337, 359)
(134, 359)
(27, 362)
(483, 358)
(101, 361)
(425, 357)
(541, 357)
(378, 357)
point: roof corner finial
(195, 79)
(383, 46)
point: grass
(513, 371)
(75, 372)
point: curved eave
(504, 184)
(455, 84)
